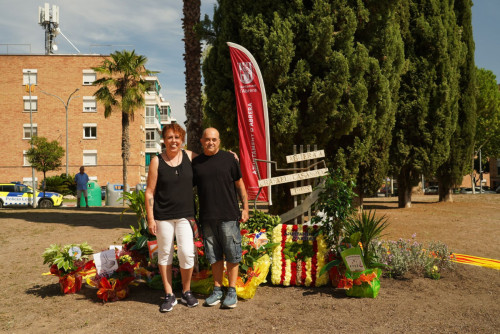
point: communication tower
(48, 18)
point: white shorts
(166, 230)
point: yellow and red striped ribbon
(477, 261)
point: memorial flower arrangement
(300, 254)
(67, 262)
(115, 285)
(254, 264)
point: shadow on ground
(98, 217)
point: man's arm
(242, 193)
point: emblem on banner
(246, 72)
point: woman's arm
(150, 193)
(191, 154)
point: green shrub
(61, 184)
(259, 220)
(409, 256)
(334, 206)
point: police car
(18, 194)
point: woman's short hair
(176, 128)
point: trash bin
(93, 195)
(141, 187)
(113, 194)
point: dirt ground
(463, 301)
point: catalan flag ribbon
(477, 261)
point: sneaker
(169, 303)
(231, 299)
(189, 299)
(215, 297)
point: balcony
(152, 123)
(153, 146)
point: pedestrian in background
(81, 180)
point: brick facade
(61, 75)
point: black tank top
(174, 190)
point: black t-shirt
(174, 197)
(214, 177)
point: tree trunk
(125, 149)
(404, 189)
(192, 55)
(445, 194)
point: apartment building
(92, 140)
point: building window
(89, 157)
(29, 76)
(150, 114)
(89, 104)
(89, 131)
(27, 131)
(89, 77)
(150, 139)
(34, 103)
(25, 159)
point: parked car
(18, 194)
(486, 190)
(498, 190)
(431, 190)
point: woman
(169, 207)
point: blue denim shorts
(222, 241)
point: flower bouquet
(114, 285)
(67, 262)
(254, 264)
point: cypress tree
(427, 116)
(328, 68)
(456, 166)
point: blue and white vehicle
(20, 195)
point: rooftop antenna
(49, 20)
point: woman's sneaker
(169, 303)
(231, 299)
(215, 297)
(189, 299)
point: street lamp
(33, 197)
(66, 107)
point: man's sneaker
(215, 297)
(189, 299)
(169, 303)
(231, 298)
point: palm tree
(192, 56)
(122, 87)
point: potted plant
(66, 262)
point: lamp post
(33, 201)
(66, 107)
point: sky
(153, 28)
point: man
(81, 180)
(217, 176)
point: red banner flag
(253, 121)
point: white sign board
(301, 190)
(293, 177)
(105, 262)
(305, 156)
